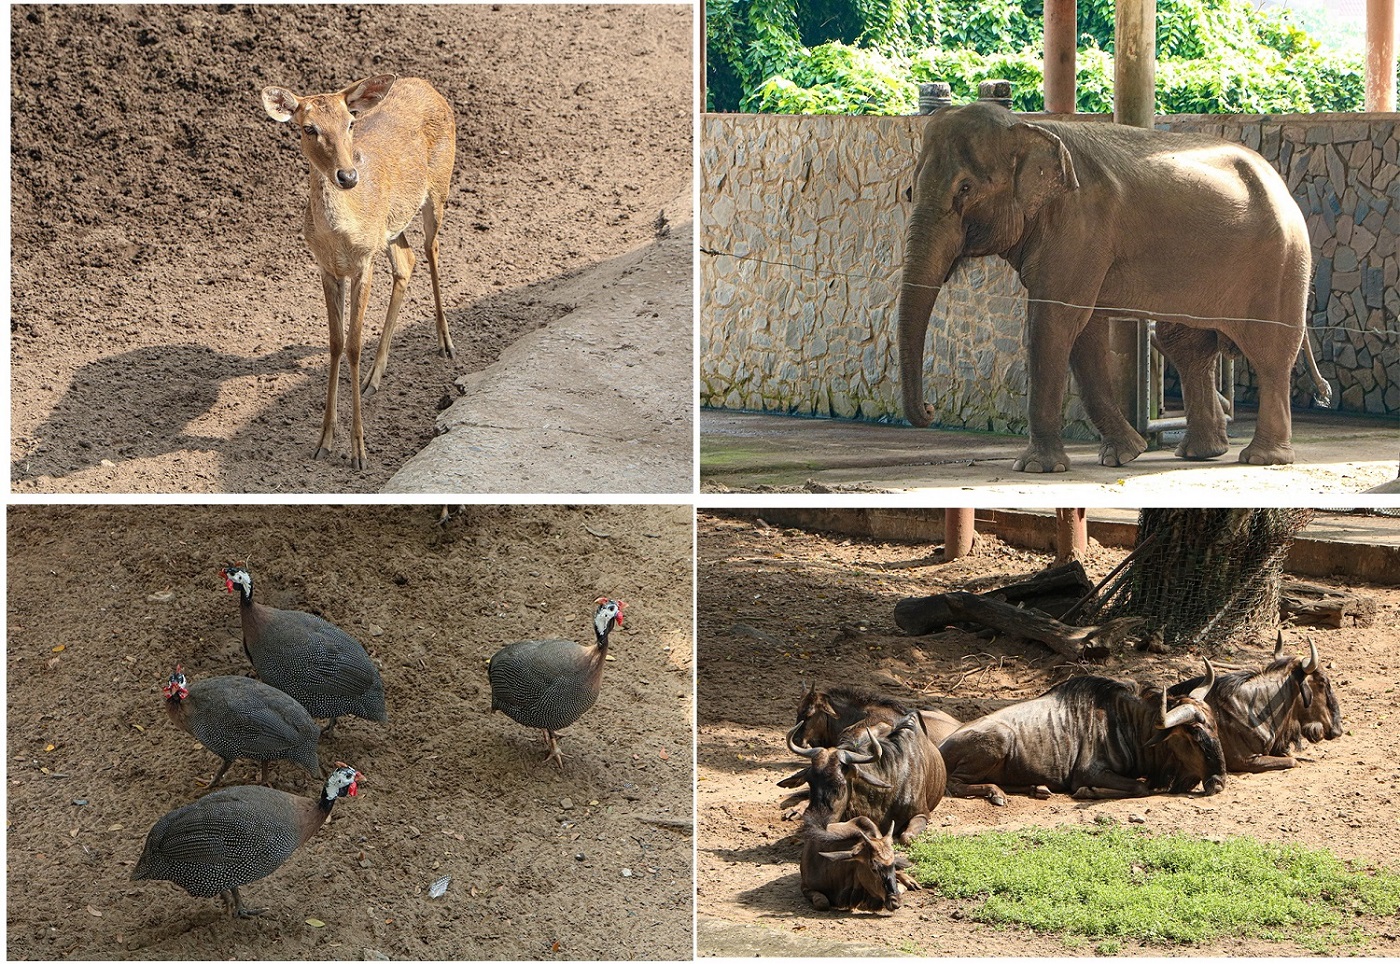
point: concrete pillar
(1061, 39)
(1134, 62)
(1380, 55)
(1071, 534)
(959, 526)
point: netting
(1204, 577)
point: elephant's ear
(1043, 169)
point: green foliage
(866, 56)
(837, 79)
(1110, 884)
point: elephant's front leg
(1120, 442)
(1051, 336)
(1192, 352)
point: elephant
(1193, 231)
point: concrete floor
(1338, 457)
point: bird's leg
(329, 726)
(265, 765)
(218, 776)
(552, 740)
(238, 909)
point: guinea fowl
(550, 683)
(239, 718)
(235, 836)
(319, 665)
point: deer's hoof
(322, 453)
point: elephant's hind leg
(1192, 352)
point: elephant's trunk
(932, 248)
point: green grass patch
(1107, 884)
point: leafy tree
(867, 56)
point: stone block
(1344, 260)
(1336, 171)
(1373, 287)
(1344, 229)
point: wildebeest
(1263, 714)
(1093, 737)
(896, 779)
(851, 865)
(839, 715)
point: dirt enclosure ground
(591, 863)
(169, 330)
(778, 607)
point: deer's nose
(347, 178)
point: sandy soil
(591, 863)
(169, 331)
(778, 607)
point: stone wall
(802, 232)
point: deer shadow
(141, 404)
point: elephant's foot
(1120, 451)
(1262, 453)
(1201, 446)
(1042, 458)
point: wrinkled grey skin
(1105, 216)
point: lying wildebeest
(896, 779)
(1093, 737)
(1263, 714)
(851, 865)
(839, 715)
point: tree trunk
(1211, 576)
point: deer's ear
(280, 103)
(367, 93)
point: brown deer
(381, 150)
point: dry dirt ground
(777, 607)
(595, 862)
(168, 330)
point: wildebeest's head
(873, 859)
(1319, 716)
(829, 770)
(1188, 742)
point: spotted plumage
(550, 683)
(232, 837)
(238, 718)
(319, 665)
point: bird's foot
(555, 753)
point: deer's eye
(310, 130)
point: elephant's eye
(965, 187)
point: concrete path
(1338, 456)
(599, 401)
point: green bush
(867, 56)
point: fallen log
(1053, 590)
(1072, 642)
(1308, 604)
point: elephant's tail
(1323, 395)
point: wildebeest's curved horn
(1199, 693)
(1184, 713)
(809, 752)
(875, 746)
(1278, 646)
(848, 755)
(1312, 663)
(1162, 716)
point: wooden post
(959, 526)
(1380, 55)
(1134, 62)
(1061, 39)
(1071, 534)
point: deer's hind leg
(401, 262)
(432, 219)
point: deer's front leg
(359, 298)
(334, 289)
